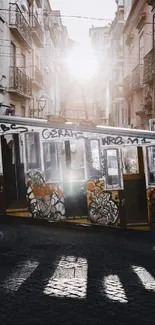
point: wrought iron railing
(137, 77)
(18, 21)
(37, 76)
(37, 29)
(20, 82)
(149, 66)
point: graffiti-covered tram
(70, 173)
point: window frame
(120, 170)
(69, 162)
(147, 166)
(58, 159)
(100, 163)
(31, 166)
(129, 174)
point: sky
(78, 29)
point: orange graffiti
(44, 189)
(90, 186)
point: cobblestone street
(69, 276)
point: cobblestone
(63, 276)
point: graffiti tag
(13, 127)
(120, 140)
(52, 134)
(107, 140)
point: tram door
(74, 175)
(134, 186)
(2, 193)
(13, 172)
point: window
(130, 160)
(153, 30)
(72, 152)
(23, 63)
(93, 159)
(113, 176)
(21, 148)
(37, 61)
(129, 112)
(22, 111)
(51, 161)
(141, 56)
(151, 164)
(32, 146)
(141, 48)
(12, 111)
(13, 55)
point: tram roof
(118, 131)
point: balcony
(137, 77)
(37, 78)
(37, 32)
(19, 25)
(127, 86)
(20, 83)
(149, 67)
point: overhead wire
(61, 15)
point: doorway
(13, 172)
(136, 212)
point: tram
(64, 172)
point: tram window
(32, 145)
(113, 177)
(21, 148)
(73, 160)
(51, 161)
(130, 160)
(93, 159)
(151, 165)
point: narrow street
(75, 276)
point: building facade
(116, 67)
(99, 37)
(138, 77)
(29, 72)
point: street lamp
(41, 104)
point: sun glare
(82, 63)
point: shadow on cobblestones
(68, 277)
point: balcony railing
(37, 78)
(20, 83)
(37, 31)
(137, 77)
(149, 67)
(19, 25)
(127, 86)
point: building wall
(116, 76)
(137, 44)
(40, 61)
(99, 37)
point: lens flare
(82, 63)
